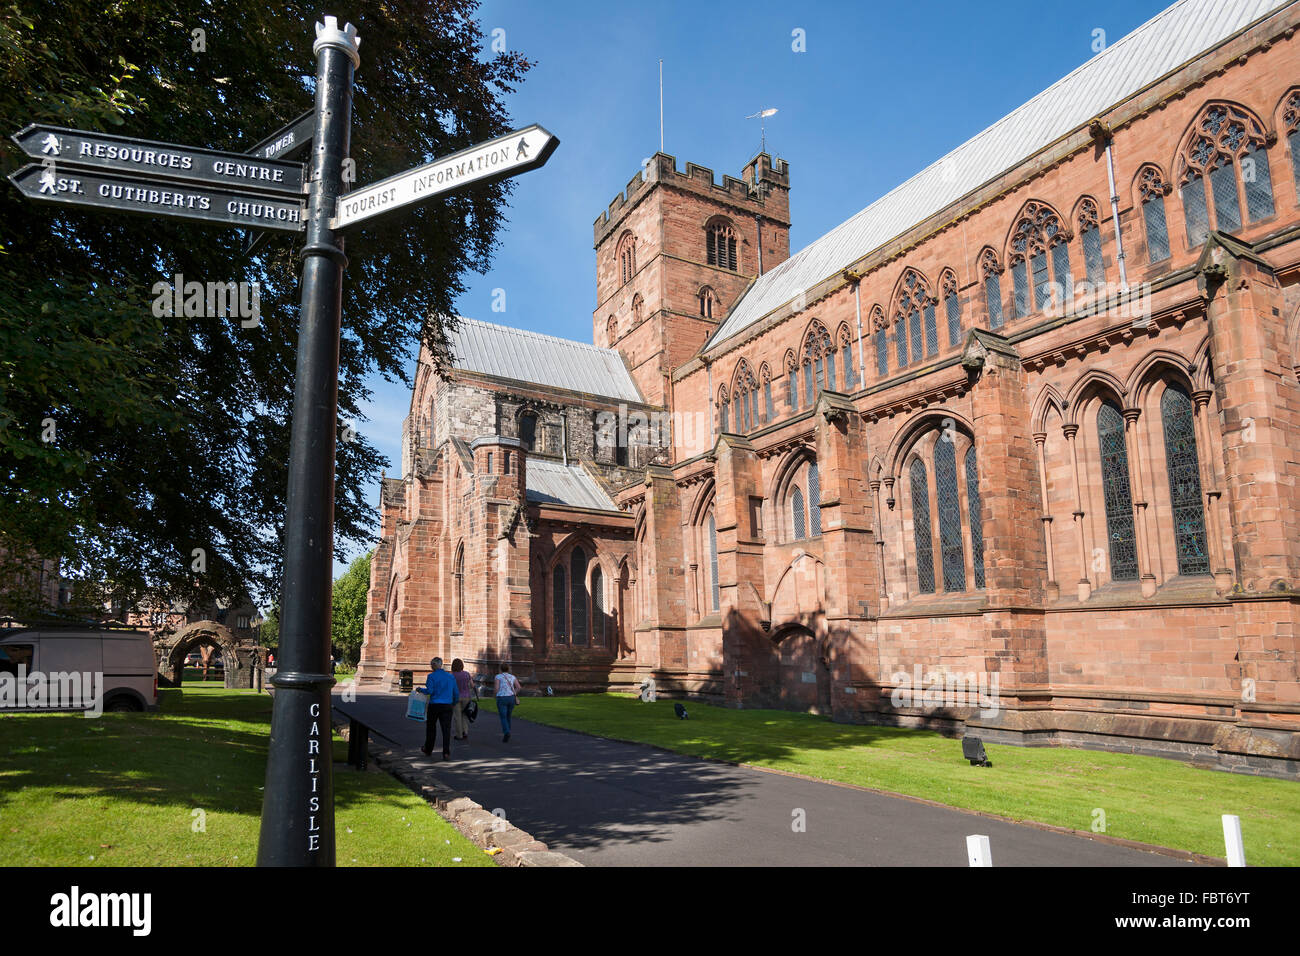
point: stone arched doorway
(805, 679)
(236, 658)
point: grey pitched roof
(540, 359)
(1161, 45)
(549, 482)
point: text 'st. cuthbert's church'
(1034, 413)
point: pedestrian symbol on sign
(50, 144)
(522, 151)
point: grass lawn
(1149, 799)
(122, 790)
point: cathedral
(1029, 420)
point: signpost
(283, 143)
(263, 191)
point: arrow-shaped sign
(134, 194)
(495, 159)
(120, 155)
(289, 140)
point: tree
(151, 451)
(350, 608)
(268, 632)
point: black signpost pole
(298, 810)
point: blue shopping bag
(416, 705)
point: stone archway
(236, 657)
(804, 672)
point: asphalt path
(607, 803)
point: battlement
(762, 171)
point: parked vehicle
(68, 662)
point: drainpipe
(1100, 130)
(708, 368)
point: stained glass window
(830, 371)
(1092, 260)
(814, 501)
(597, 609)
(900, 341)
(1061, 268)
(1294, 140)
(931, 331)
(850, 373)
(993, 299)
(808, 393)
(1184, 481)
(1196, 212)
(1042, 281)
(976, 517)
(792, 390)
(767, 398)
(1153, 212)
(797, 515)
(917, 349)
(1020, 276)
(1259, 186)
(953, 307)
(578, 590)
(1117, 494)
(1227, 211)
(726, 425)
(559, 604)
(882, 352)
(921, 528)
(951, 555)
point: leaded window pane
(976, 517)
(808, 392)
(931, 331)
(713, 557)
(726, 426)
(1153, 211)
(921, 528)
(1117, 494)
(900, 341)
(1194, 208)
(953, 306)
(797, 516)
(1184, 482)
(745, 401)
(1020, 278)
(1227, 210)
(814, 502)
(993, 298)
(793, 391)
(559, 605)
(830, 371)
(578, 594)
(1061, 270)
(1294, 140)
(1042, 281)
(1259, 185)
(767, 398)
(914, 322)
(882, 353)
(1092, 257)
(952, 558)
(597, 609)
(850, 373)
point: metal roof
(1161, 45)
(550, 482)
(540, 359)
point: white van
(77, 668)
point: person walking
(465, 687)
(507, 697)
(443, 694)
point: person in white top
(507, 694)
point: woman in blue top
(507, 697)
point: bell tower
(674, 252)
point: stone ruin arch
(237, 657)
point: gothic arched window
(720, 241)
(952, 556)
(1117, 493)
(951, 306)
(976, 517)
(1090, 238)
(578, 591)
(611, 330)
(627, 258)
(638, 309)
(818, 354)
(559, 606)
(1036, 238)
(846, 349)
(992, 273)
(744, 392)
(597, 608)
(713, 557)
(528, 430)
(1228, 148)
(1184, 481)
(765, 374)
(915, 308)
(1291, 123)
(921, 528)
(724, 410)
(706, 302)
(792, 382)
(1152, 190)
(458, 580)
(814, 501)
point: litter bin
(407, 681)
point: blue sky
(880, 91)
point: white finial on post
(346, 39)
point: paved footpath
(607, 803)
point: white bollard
(978, 850)
(1232, 839)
